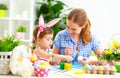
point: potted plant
(21, 31)
(113, 52)
(51, 9)
(3, 9)
(7, 44)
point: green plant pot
(118, 68)
(3, 13)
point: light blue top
(64, 39)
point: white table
(67, 74)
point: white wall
(103, 14)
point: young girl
(43, 35)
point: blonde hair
(79, 17)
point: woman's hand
(69, 58)
(85, 60)
(68, 50)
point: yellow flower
(108, 51)
(113, 52)
(115, 44)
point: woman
(76, 40)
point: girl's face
(46, 41)
(73, 28)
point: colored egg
(80, 58)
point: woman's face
(73, 28)
(46, 41)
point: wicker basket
(4, 62)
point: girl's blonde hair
(79, 17)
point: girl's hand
(55, 61)
(85, 60)
(68, 50)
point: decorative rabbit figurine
(19, 62)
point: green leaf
(3, 6)
(118, 57)
(7, 43)
(21, 28)
(57, 7)
(44, 9)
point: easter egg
(80, 58)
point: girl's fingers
(58, 61)
(55, 61)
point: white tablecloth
(68, 75)
(55, 73)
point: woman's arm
(55, 50)
(92, 60)
(99, 50)
(96, 60)
(86, 60)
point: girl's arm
(41, 53)
(45, 55)
(62, 57)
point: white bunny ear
(41, 21)
(53, 22)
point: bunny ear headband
(49, 24)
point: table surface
(58, 73)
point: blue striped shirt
(64, 39)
